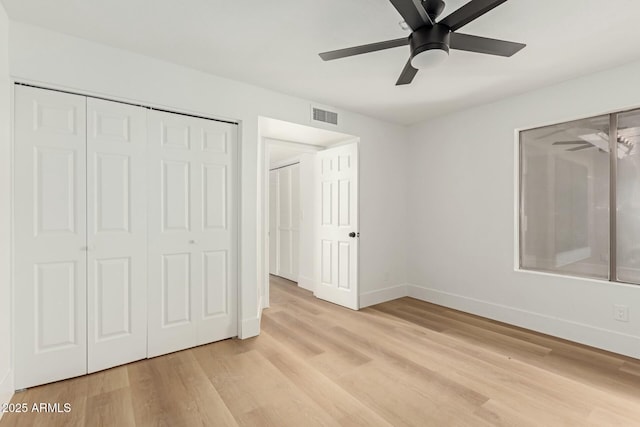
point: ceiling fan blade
(470, 11)
(358, 50)
(412, 12)
(484, 45)
(555, 132)
(407, 75)
(569, 142)
(582, 147)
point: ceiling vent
(325, 116)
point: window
(627, 188)
(569, 179)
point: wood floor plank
(603, 417)
(73, 391)
(412, 400)
(631, 368)
(401, 363)
(250, 385)
(111, 408)
(300, 343)
(336, 401)
(109, 380)
(174, 390)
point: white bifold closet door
(273, 222)
(125, 231)
(192, 232)
(116, 233)
(284, 216)
(80, 235)
(50, 234)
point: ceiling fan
(623, 143)
(430, 41)
(581, 145)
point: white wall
(50, 58)
(6, 377)
(461, 209)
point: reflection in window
(572, 211)
(565, 217)
(628, 198)
(564, 223)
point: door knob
(352, 234)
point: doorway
(309, 209)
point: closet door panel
(172, 238)
(288, 224)
(176, 195)
(192, 232)
(217, 245)
(117, 233)
(50, 236)
(284, 222)
(273, 222)
(295, 221)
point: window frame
(613, 176)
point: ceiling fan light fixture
(429, 46)
(429, 58)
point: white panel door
(117, 233)
(288, 221)
(284, 223)
(273, 222)
(50, 236)
(192, 271)
(338, 225)
(295, 221)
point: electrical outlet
(621, 313)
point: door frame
(264, 144)
(11, 206)
(263, 207)
(13, 82)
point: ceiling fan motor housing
(433, 8)
(428, 38)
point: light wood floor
(401, 363)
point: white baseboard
(628, 345)
(306, 283)
(6, 389)
(382, 295)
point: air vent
(324, 116)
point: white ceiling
(286, 131)
(274, 44)
(290, 140)
(279, 155)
